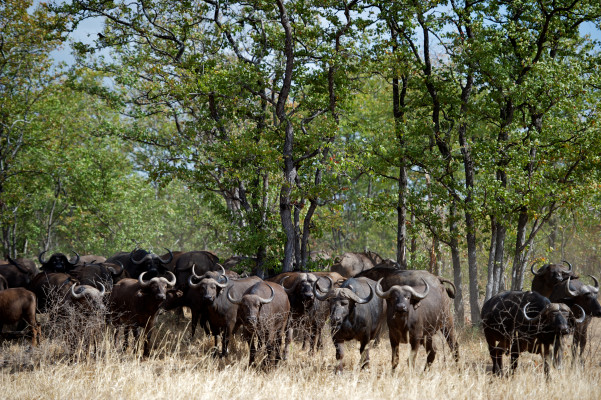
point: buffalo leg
(430, 350)
(195, 317)
(546, 353)
(339, 356)
(364, 354)
(394, 345)
(515, 354)
(415, 343)
(557, 352)
(449, 334)
(289, 336)
(496, 354)
(252, 350)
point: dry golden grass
(182, 368)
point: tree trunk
(499, 266)
(519, 259)
(456, 259)
(491, 258)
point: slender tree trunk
(491, 259)
(519, 259)
(456, 260)
(499, 266)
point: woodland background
(455, 136)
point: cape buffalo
(418, 307)
(350, 264)
(19, 272)
(203, 261)
(577, 294)
(58, 288)
(549, 275)
(95, 273)
(139, 261)
(263, 313)
(304, 313)
(134, 304)
(355, 314)
(58, 262)
(508, 327)
(18, 305)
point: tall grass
(182, 368)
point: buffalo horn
(41, 257)
(570, 291)
(173, 280)
(230, 297)
(113, 271)
(379, 291)
(270, 299)
(103, 289)
(170, 257)
(581, 319)
(360, 300)
(417, 295)
(76, 260)
(532, 268)
(569, 265)
(75, 295)
(319, 296)
(526, 315)
(141, 279)
(290, 290)
(131, 258)
(596, 288)
(190, 283)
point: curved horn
(41, 257)
(289, 290)
(193, 285)
(581, 319)
(113, 271)
(570, 291)
(103, 289)
(141, 279)
(170, 257)
(366, 299)
(194, 272)
(269, 300)
(596, 288)
(532, 268)
(526, 315)
(379, 291)
(173, 280)
(416, 295)
(131, 258)
(75, 295)
(230, 297)
(569, 265)
(224, 284)
(76, 260)
(322, 297)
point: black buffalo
(550, 275)
(94, 274)
(355, 314)
(508, 327)
(418, 307)
(576, 294)
(58, 262)
(263, 312)
(139, 261)
(19, 272)
(134, 304)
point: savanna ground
(180, 368)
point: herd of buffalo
(360, 296)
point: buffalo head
(156, 286)
(401, 297)
(250, 304)
(209, 284)
(58, 262)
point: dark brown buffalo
(418, 307)
(576, 294)
(58, 288)
(509, 327)
(58, 262)
(549, 275)
(19, 272)
(18, 305)
(139, 261)
(355, 314)
(203, 261)
(304, 313)
(134, 304)
(263, 312)
(207, 300)
(94, 274)
(350, 264)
